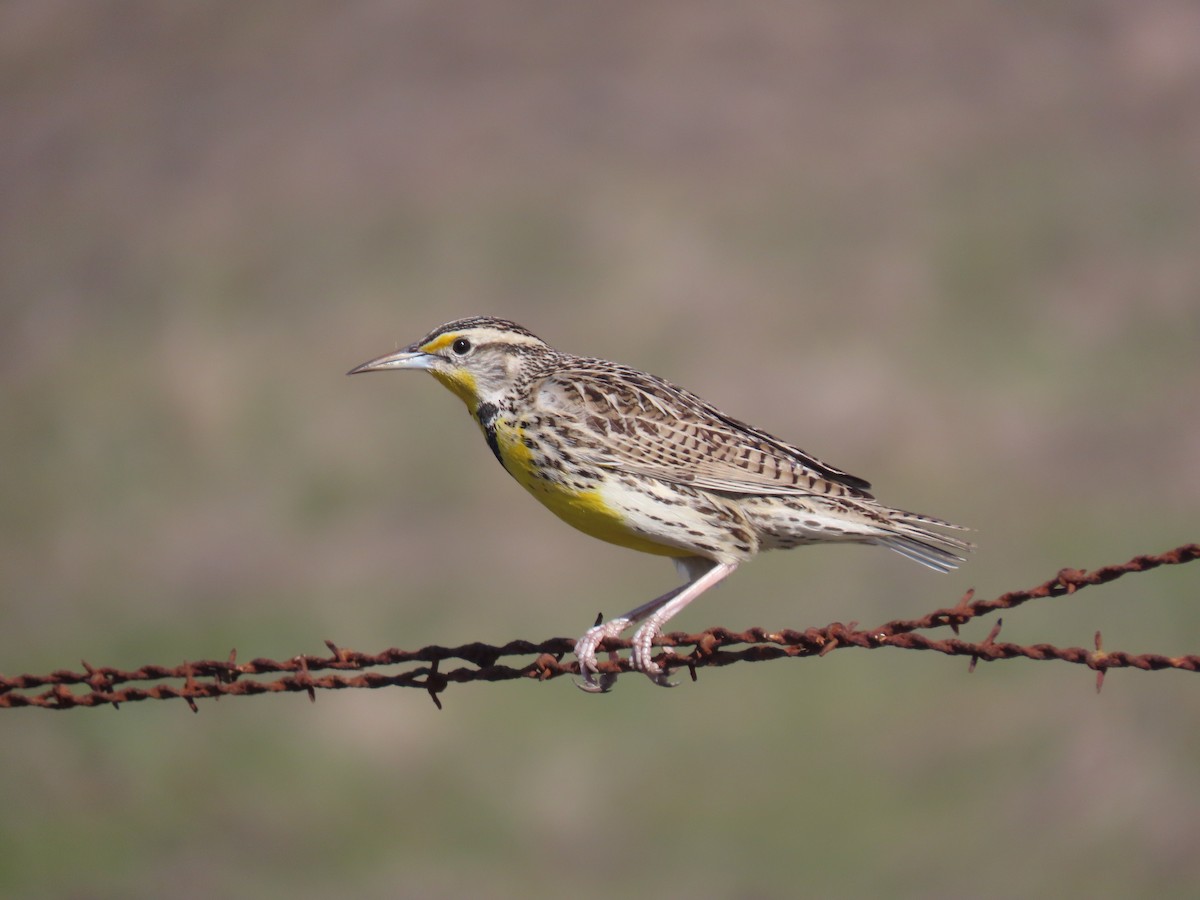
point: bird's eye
(461, 346)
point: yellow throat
(585, 510)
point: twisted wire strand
(191, 681)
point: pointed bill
(399, 359)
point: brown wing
(650, 427)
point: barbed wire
(219, 678)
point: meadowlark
(632, 459)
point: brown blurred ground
(951, 248)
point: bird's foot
(641, 654)
(585, 652)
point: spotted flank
(634, 460)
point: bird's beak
(400, 359)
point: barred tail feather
(910, 535)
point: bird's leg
(585, 647)
(644, 637)
(703, 574)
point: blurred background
(949, 248)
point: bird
(632, 459)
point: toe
(585, 652)
(641, 656)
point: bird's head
(476, 358)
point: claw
(655, 673)
(591, 686)
(588, 669)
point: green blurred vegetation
(951, 249)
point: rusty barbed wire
(218, 678)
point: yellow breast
(582, 509)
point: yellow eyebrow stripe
(442, 340)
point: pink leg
(703, 574)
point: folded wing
(657, 430)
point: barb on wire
(192, 681)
